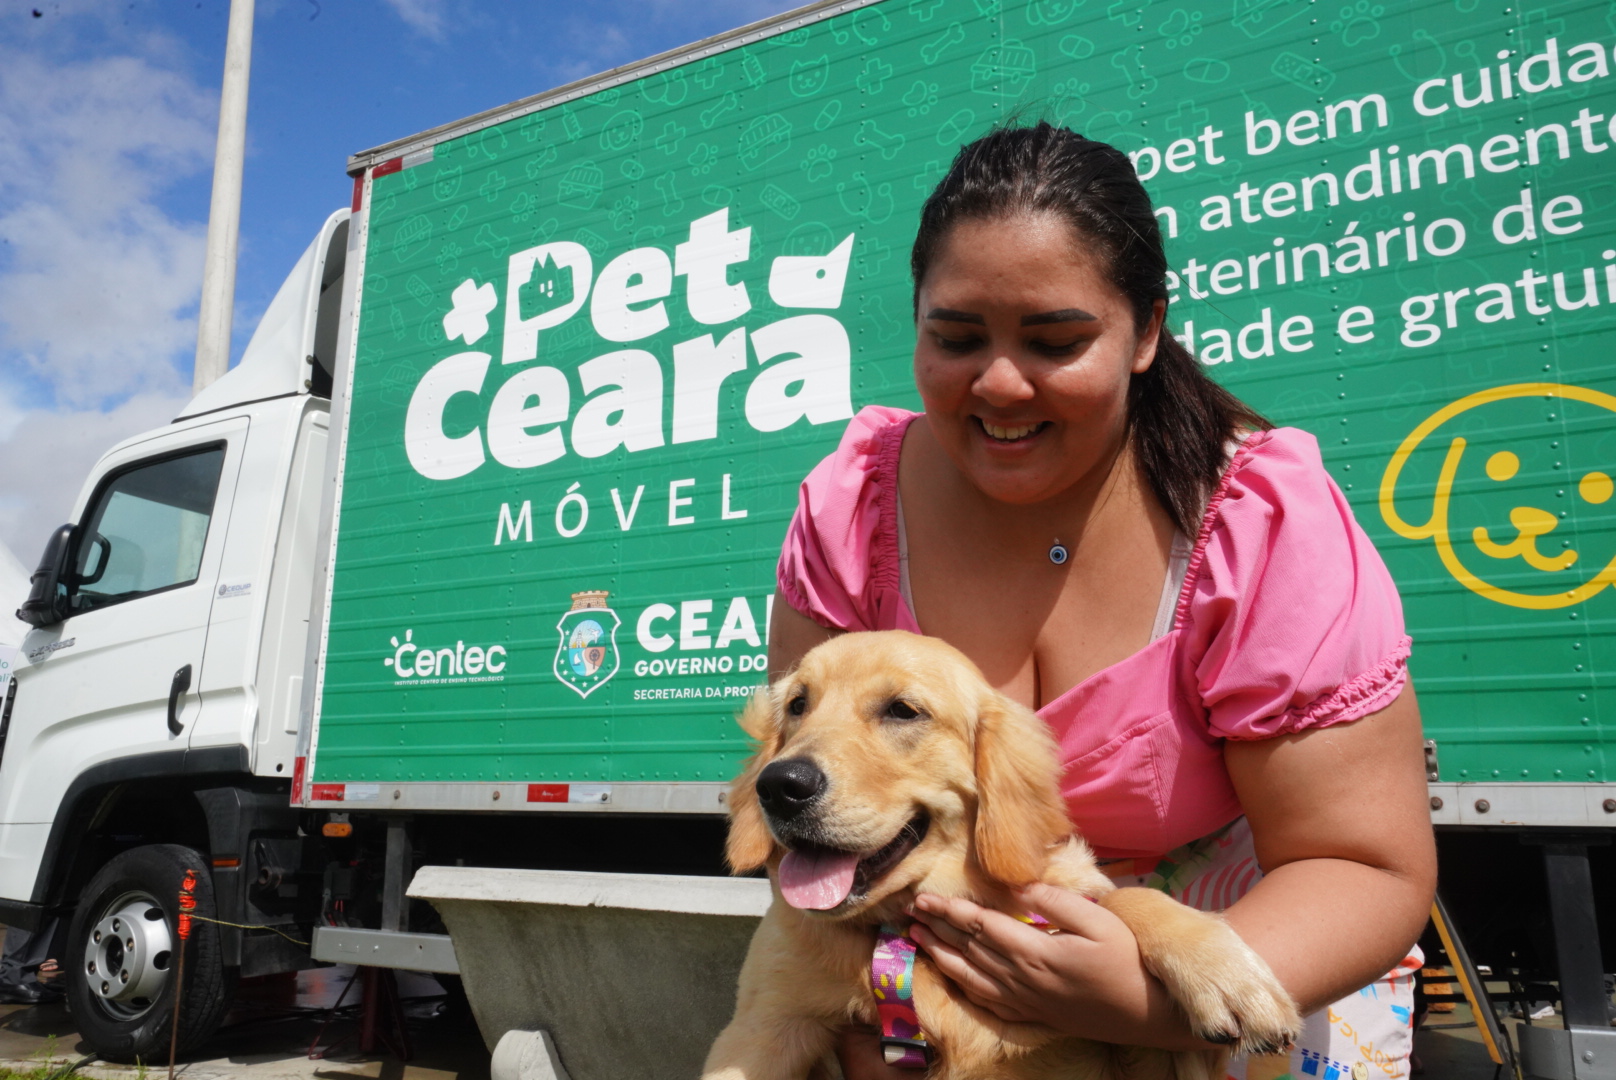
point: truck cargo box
(600, 335)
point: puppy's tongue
(817, 881)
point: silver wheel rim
(128, 955)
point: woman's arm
(1342, 825)
(791, 635)
(1342, 831)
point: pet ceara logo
(586, 657)
(1519, 511)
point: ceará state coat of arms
(586, 656)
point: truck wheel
(123, 953)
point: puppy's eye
(798, 705)
(902, 710)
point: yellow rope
(250, 926)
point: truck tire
(122, 956)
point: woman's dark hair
(1179, 420)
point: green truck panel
(600, 342)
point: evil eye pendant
(1058, 553)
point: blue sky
(108, 110)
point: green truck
(497, 492)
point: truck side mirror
(47, 593)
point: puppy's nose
(786, 788)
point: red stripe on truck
(298, 768)
(330, 792)
(391, 165)
(547, 792)
(358, 192)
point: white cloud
(46, 456)
(98, 281)
(425, 17)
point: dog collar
(892, 980)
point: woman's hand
(1088, 980)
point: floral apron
(1366, 1036)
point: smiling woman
(1180, 592)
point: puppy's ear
(1019, 814)
(750, 842)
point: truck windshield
(147, 529)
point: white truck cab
(170, 624)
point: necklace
(1058, 553)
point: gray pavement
(268, 1034)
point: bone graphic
(726, 104)
(870, 135)
(876, 310)
(488, 238)
(811, 281)
(535, 165)
(671, 202)
(1134, 66)
(951, 37)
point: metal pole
(224, 216)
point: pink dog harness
(892, 981)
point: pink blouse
(1287, 620)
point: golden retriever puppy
(886, 767)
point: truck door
(97, 686)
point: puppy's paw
(1227, 991)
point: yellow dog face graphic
(1502, 531)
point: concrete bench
(596, 976)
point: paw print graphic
(1359, 22)
(701, 162)
(1181, 28)
(523, 207)
(623, 211)
(448, 257)
(818, 162)
(921, 97)
(1072, 98)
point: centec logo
(586, 657)
(462, 663)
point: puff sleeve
(1292, 620)
(839, 562)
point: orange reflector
(220, 862)
(336, 828)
